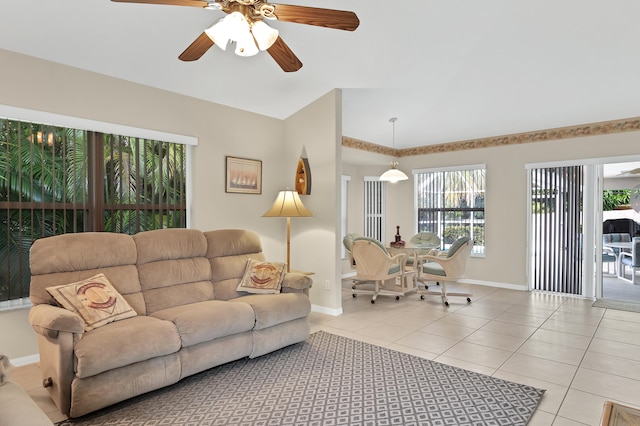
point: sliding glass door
(556, 222)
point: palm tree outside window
(57, 180)
(450, 203)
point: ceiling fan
(244, 25)
(632, 172)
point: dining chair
(609, 257)
(447, 269)
(427, 239)
(630, 260)
(347, 241)
(616, 237)
(389, 274)
(424, 242)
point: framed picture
(244, 176)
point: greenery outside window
(450, 203)
(613, 199)
(56, 180)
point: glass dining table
(622, 245)
(411, 249)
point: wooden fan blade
(192, 3)
(329, 18)
(284, 56)
(197, 48)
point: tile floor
(617, 289)
(581, 355)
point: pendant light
(394, 174)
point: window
(450, 203)
(56, 180)
(374, 208)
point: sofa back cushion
(173, 268)
(68, 258)
(228, 251)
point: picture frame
(243, 175)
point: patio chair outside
(630, 260)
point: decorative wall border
(592, 129)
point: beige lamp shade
(288, 204)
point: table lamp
(288, 204)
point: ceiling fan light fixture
(264, 34)
(219, 34)
(236, 25)
(246, 46)
(233, 27)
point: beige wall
(314, 241)
(39, 85)
(506, 198)
(17, 338)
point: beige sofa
(189, 316)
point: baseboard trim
(507, 286)
(326, 311)
(471, 281)
(25, 360)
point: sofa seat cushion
(272, 309)
(124, 342)
(204, 321)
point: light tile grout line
(578, 369)
(539, 327)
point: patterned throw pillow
(262, 277)
(94, 300)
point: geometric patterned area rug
(328, 380)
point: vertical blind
(145, 181)
(556, 208)
(450, 204)
(57, 180)
(374, 208)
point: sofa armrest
(49, 320)
(297, 281)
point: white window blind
(450, 203)
(374, 196)
(556, 221)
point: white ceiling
(622, 170)
(449, 70)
